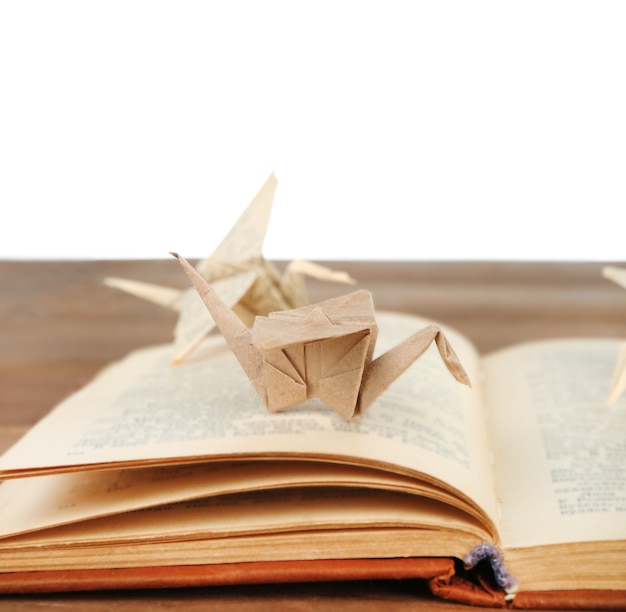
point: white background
(397, 130)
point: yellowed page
(146, 410)
(29, 504)
(375, 543)
(259, 512)
(559, 447)
(267, 525)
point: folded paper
(323, 350)
(618, 384)
(242, 277)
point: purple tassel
(491, 553)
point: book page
(259, 512)
(559, 447)
(279, 525)
(144, 410)
(58, 499)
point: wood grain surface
(59, 325)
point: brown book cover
(445, 579)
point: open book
(178, 475)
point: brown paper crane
(243, 278)
(322, 350)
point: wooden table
(59, 325)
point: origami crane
(242, 277)
(618, 385)
(322, 350)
